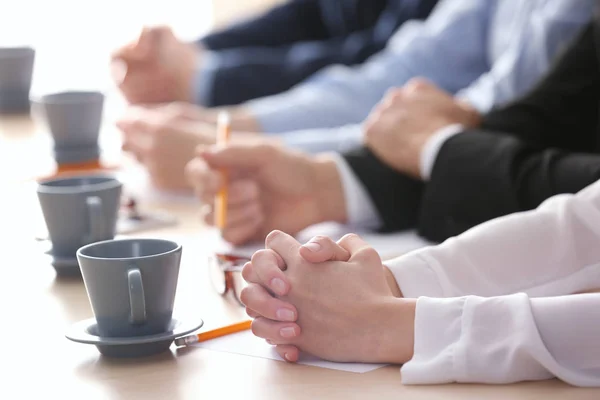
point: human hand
(402, 123)
(337, 310)
(269, 187)
(163, 139)
(156, 68)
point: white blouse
(497, 305)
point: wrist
(330, 200)
(396, 334)
(391, 281)
(472, 117)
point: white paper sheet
(245, 343)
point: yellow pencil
(223, 134)
(215, 333)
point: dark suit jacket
(544, 144)
(275, 51)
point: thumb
(321, 248)
(238, 155)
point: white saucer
(64, 265)
(136, 346)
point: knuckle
(247, 272)
(272, 237)
(259, 256)
(244, 295)
(349, 237)
(255, 326)
(370, 254)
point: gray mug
(79, 210)
(131, 285)
(74, 120)
(16, 72)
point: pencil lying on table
(215, 333)
(223, 134)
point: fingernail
(313, 246)
(287, 332)
(283, 314)
(285, 355)
(278, 286)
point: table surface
(38, 307)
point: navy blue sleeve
(287, 23)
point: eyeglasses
(225, 272)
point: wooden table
(37, 308)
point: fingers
(266, 269)
(288, 352)
(240, 154)
(208, 181)
(256, 298)
(418, 84)
(251, 313)
(360, 250)
(243, 231)
(276, 332)
(321, 248)
(205, 181)
(284, 245)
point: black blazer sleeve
(289, 22)
(396, 197)
(540, 146)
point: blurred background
(74, 38)
(73, 41)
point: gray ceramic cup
(16, 72)
(131, 285)
(79, 210)
(74, 119)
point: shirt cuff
(415, 276)
(207, 64)
(438, 332)
(360, 209)
(433, 146)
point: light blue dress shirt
(487, 52)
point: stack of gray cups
(16, 72)
(74, 119)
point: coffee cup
(79, 210)
(131, 285)
(16, 72)
(74, 119)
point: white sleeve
(360, 210)
(432, 148)
(506, 339)
(550, 251)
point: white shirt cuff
(207, 65)
(432, 148)
(360, 209)
(438, 333)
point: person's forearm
(505, 339)
(529, 252)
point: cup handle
(96, 219)
(137, 302)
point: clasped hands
(333, 300)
